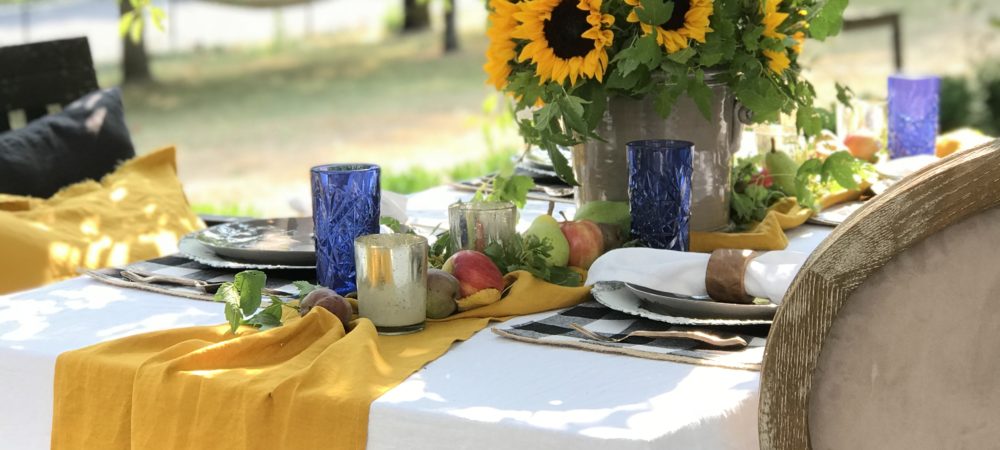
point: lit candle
(392, 281)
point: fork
(701, 336)
(207, 287)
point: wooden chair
(35, 76)
(888, 336)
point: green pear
(782, 170)
(602, 211)
(545, 227)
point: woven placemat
(556, 330)
(179, 266)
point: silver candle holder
(476, 225)
(392, 281)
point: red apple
(475, 272)
(586, 242)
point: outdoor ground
(250, 120)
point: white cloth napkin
(767, 276)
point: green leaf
(828, 19)
(572, 113)
(305, 288)
(810, 167)
(547, 116)
(564, 276)
(668, 95)
(135, 30)
(233, 316)
(808, 120)
(644, 51)
(512, 189)
(682, 56)
(249, 284)
(655, 12)
(158, 16)
(392, 223)
(125, 23)
(840, 167)
(561, 165)
(844, 94)
(751, 39)
(701, 94)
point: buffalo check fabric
(181, 267)
(556, 330)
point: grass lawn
(250, 122)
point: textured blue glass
(913, 115)
(659, 192)
(345, 206)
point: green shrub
(956, 103)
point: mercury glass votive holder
(476, 225)
(346, 201)
(659, 192)
(392, 281)
(913, 114)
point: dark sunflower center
(676, 21)
(565, 29)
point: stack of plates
(254, 244)
(679, 309)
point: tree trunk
(416, 15)
(450, 33)
(135, 62)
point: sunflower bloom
(800, 39)
(690, 20)
(501, 51)
(777, 61)
(567, 39)
(772, 19)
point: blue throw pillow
(86, 140)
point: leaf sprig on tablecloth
(243, 298)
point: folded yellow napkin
(137, 212)
(768, 234)
(304, 385)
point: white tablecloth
(486, 393)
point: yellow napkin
(302, 385)
(137, 212)
(768, 234)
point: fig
(339, 306)
(310, 300)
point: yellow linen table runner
(304, 385)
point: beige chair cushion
(913, 359)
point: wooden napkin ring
(724, 277)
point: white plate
(286, 241)
(900, 167)
(616, 296)
(836, 215)
(191, 248)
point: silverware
(207, 287)
(701, 336)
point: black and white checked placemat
(556, 330)
(181, 267)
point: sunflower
(800, 40)
(566, 38)
(501, 51)
(777, 61)
(772, 19)
(689, 20)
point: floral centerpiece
(563, 59)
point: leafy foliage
(529, 253)
(243, 300)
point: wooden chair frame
(924, 203)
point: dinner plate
(192, 248)
(900, 167)
(835, 215)
(286, 241)
(617, 296)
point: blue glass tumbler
(913, 114)
(659, 192)
(345, 206)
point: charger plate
(617, 296)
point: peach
(862, 145)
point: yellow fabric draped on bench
(304, 385)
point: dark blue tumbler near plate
(345, 206)
(914, 102)
(659, 192)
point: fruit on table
(474, 271)
(442, 292)
(545, 227)
(603, 211)
(862, 145)
(782, 170)
(586, 242)
(330, 301)
(614, 236)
